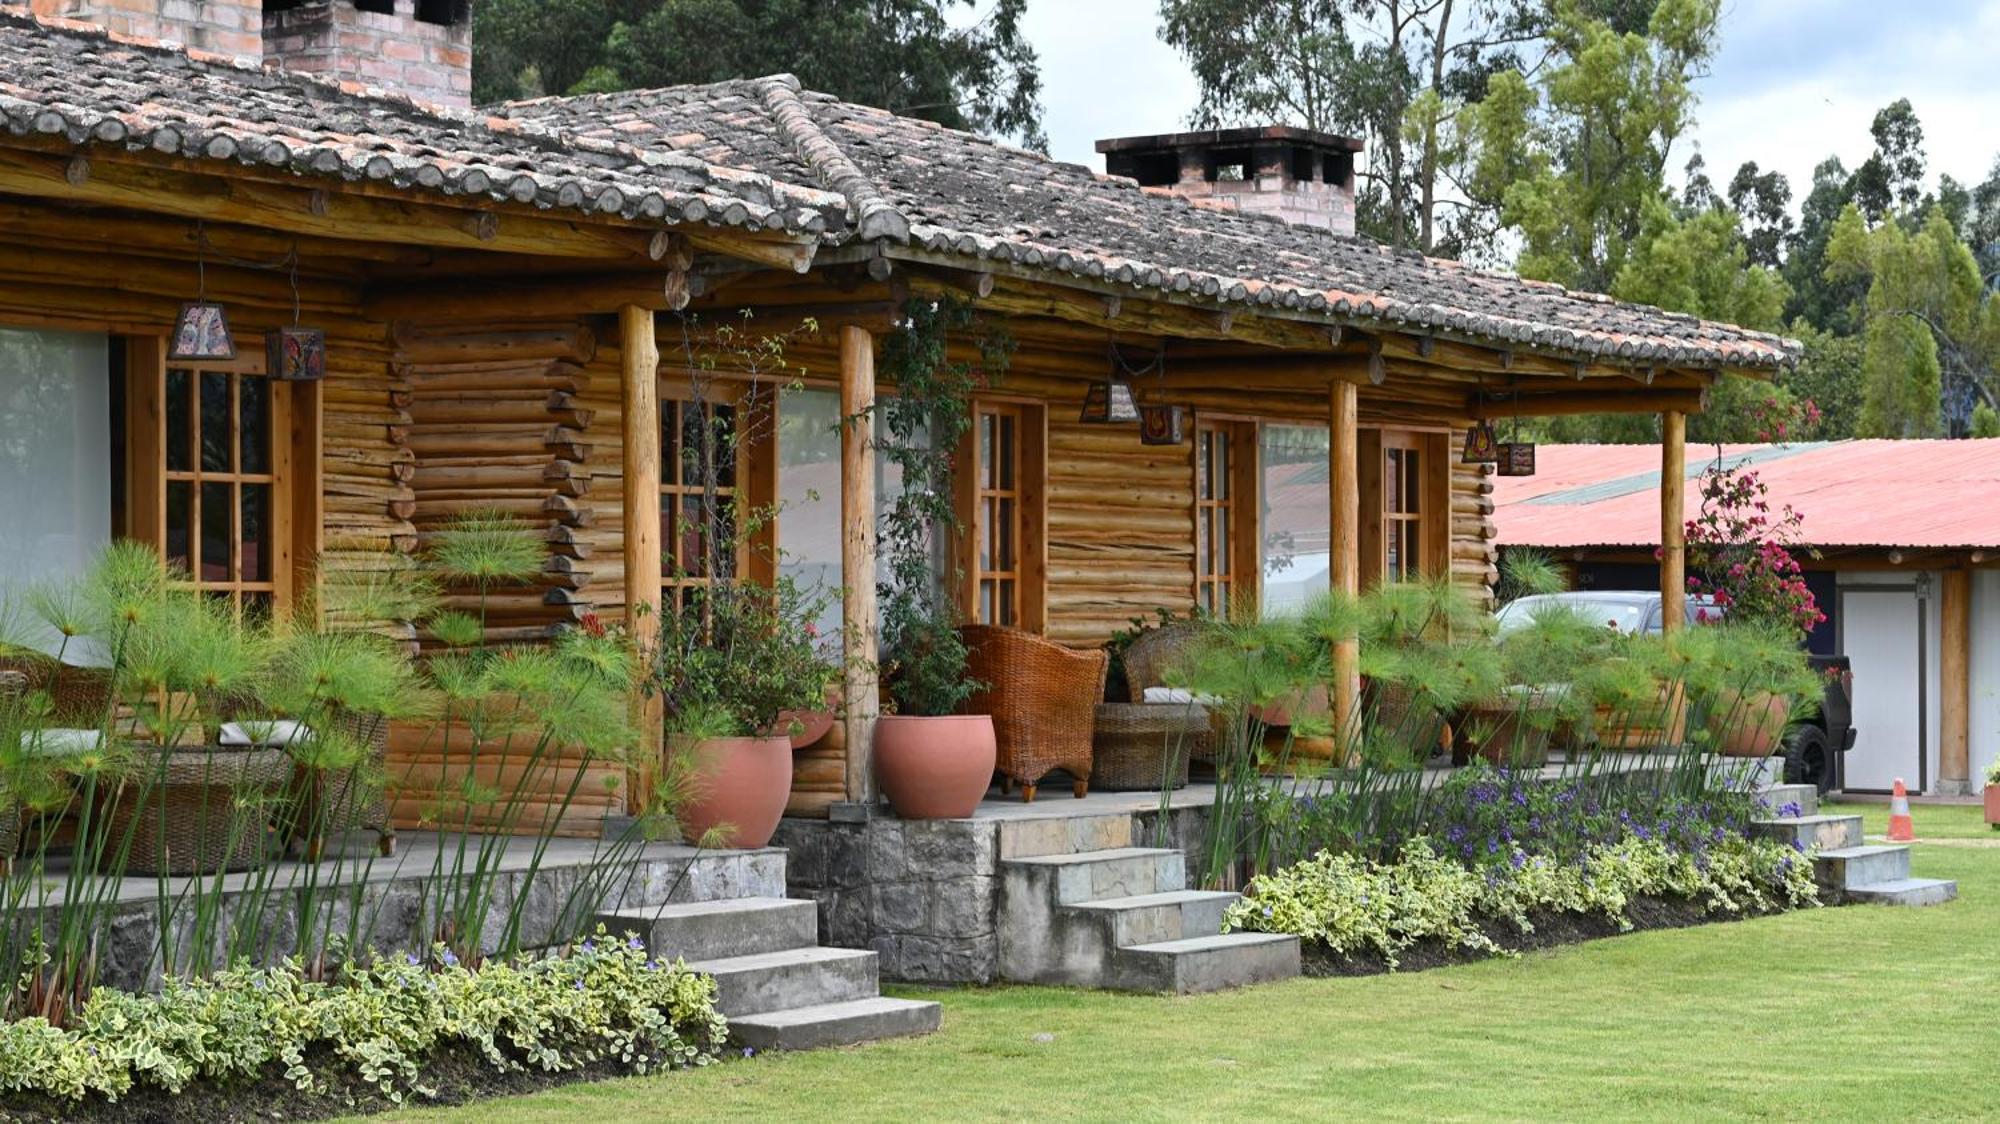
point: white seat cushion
(56, 742)
(1175, 695)
(277, 733)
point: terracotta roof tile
(79, 82)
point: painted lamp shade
(1482, 445)
(1517, 458)
(201, 331)
(1109, 403)
(1161, 425)
(295, 354)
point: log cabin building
(505, 293)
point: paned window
(700, 461)
(1215, 504)
(222, 492)
(998, 507)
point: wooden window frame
(753, 488)
(1432, 516)
(1234, 516)
(294, 474)
(1028, 573)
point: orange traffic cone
(1901, 829)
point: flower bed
(1357, 913)
(373, 1034)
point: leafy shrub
(1482, 815)
(601, 1000)
(1360, 906)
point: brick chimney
(1299, 175)
(422, 48)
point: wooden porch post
(1344, 533)
(639, 364)
(1955, 681)
(857, 555)
(1673, 530)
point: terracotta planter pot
(1312, 703)
(802, 727)
(1499, 735)
(739, 784)
(1750, 726)
(1660, 726)
(934, 768)
(1992, 794)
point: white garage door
(1882, 633)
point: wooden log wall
(499, 422)
(428, 767)
(1121, 528)
(512, 418)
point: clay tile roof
(1849, 494)
(74, 81)
(953, 193)
(764, 154)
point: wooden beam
(639, 421)
(1680, 402)
(573, 295)
(794, 254)
(1673, 541)
(861, 701)
(1955, 681)
(1344, 554)
(1307, 371)
(316, 211)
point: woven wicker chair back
(1152, 655)
(1041, 696)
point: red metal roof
(1847, 493)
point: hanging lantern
(1517, 458)
(295, 354)
(1161, 425)
(202, 332)
(1109, 402)
(1482, 444)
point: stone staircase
(1847, 865)
(778, 988)
(1103, 913)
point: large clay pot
(1662, 726)
(803, 727)
(740, 784)
(934, 768)
(1749, 726)
(1311, 703)
(1501, 734)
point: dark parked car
(1814, 745)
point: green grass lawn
(1854, 1013)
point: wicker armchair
(1041, 696)
(1187, 725)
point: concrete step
(1212, 963)
(712, 930)
(835, 1024)
(1777, 796)
(1150, 918)
(1906, 891)
(1034, 836)
(1091, 875)
(1824, 832)
(1847, 868)
(791, 978)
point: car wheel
(1807, 759)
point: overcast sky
(1796, 80)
